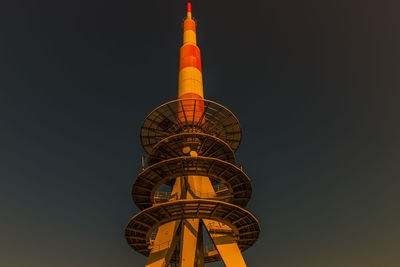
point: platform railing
(163, 196)
(209, 248)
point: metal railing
(153, 235)
(209, 248)
(163, 196)
(220, 187)
(160, 246)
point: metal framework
(180, 151)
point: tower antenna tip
(189, 7)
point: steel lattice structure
(190, 144)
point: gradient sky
(315, 85)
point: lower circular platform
(244, 225)
(238, 184)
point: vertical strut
(167, 236)
(190, 228)
(164, 244)
(225, 243)
(200, 247)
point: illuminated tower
(191, 192)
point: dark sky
(315, 85)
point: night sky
(315, 85)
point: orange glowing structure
(190, 84)
(191, 143)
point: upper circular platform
(183, 144)
(190, 115)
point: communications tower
(191, 192)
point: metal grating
(214, 119)
(141, 226)
(236, 181)
(179, 145)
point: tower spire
(189, 10)
(190, 83)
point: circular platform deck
(179, 145)
(244, 225)
(148, 181)
(212, 118)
